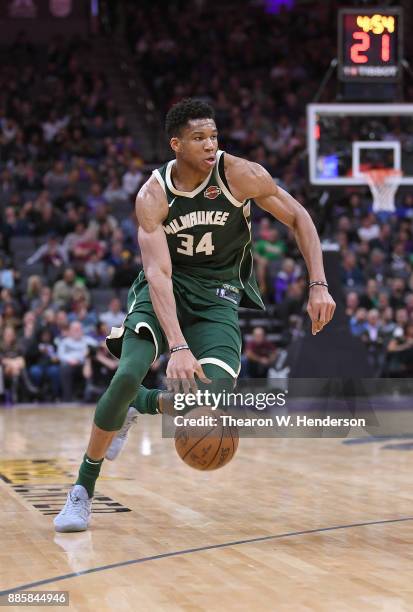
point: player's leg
(217, 342)
(160, 401)
(138, 352)
(217, 345)
(136, 357)
(150, 401)
(144, 320)
(147, 401)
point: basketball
(203, 442)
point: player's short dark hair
(185, 110)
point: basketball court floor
(289, 524)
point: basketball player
(195, 236)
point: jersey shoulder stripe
(159, 178)
(219, 167)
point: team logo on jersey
(212, 192)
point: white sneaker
(120, 439)
(75, 514)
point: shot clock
(370, 44)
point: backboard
(346, 140)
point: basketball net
(383, 184)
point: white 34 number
(187, 244)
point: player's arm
(251, 181)
(151, 210)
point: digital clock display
(370, 44)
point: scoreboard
(370, 44)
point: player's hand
(181, 371)
(320, 308)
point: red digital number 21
(356, 50)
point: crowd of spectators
(377, 275)
(69, 171)
(259, 72)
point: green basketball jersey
(209, 233)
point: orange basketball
(203, 442)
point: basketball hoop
(383, 184)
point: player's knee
(126, 381)
(113, 405)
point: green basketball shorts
(208, 316)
